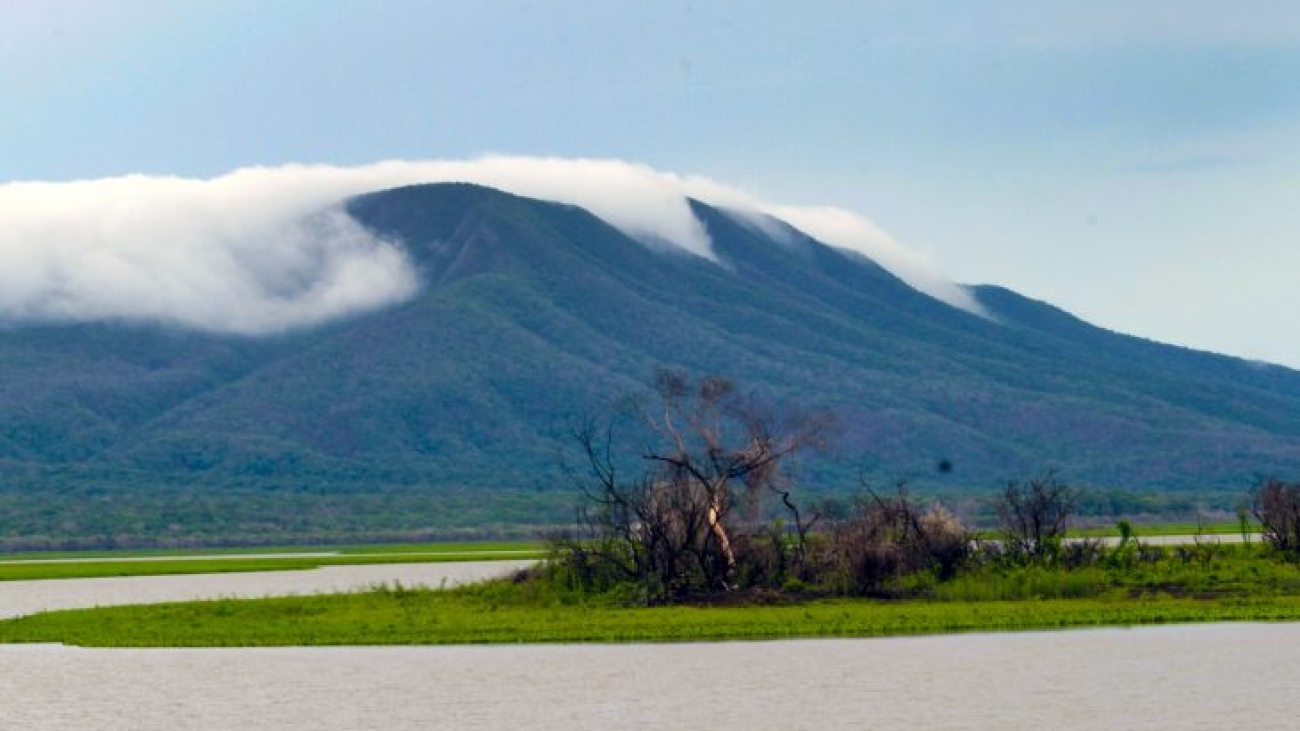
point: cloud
(838, 227)
(843, 229)
(262, 250)
(234, 254)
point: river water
(1221, 676)
(26, 597)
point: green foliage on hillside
(448, 412)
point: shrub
(889, 538)
(1033, 515)
(1277, 508)
(1089, 552)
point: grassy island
(103, 564)
(705, 537)
(1163, 585)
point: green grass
(350, 549)
(1167, 529)
(1181, 528)
(461, 547)
(395, 616)
(1231, 583)
(108, 563)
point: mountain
(449, 410)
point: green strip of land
(477, 615)
(346, 549)
(1166, 529)
(1173, 585)
(1121, 586)
(111, 564)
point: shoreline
(469, 617)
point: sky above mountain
(1131, 162)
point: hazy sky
(1137, 163)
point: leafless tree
(718, 446)
(1277, 508)
(671, 525)
(1033, 515)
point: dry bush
(1277, 508)
(1090, 552)
(890, 537)
(1033, 515)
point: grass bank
(1233, 584)
(345, 549)
(1185, 528)
(459, 617)
(97, 564)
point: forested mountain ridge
(532, 314)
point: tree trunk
(720, 532)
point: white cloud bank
(267, 249)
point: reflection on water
(1187, 677)
(26, 597)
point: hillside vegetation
(444, 416)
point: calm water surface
(27, 597)
(1224, 676)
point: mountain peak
(531, 314)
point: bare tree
(1277, 508)
(1033, 515)
(671, 526)
(717, 446)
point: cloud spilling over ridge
(843, 229)
(267, 249)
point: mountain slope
(533, 314)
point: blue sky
(1133, 162)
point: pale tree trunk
(714, 516)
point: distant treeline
(88, 514)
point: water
(1224, 676)
(1187, 677)
(26, 597)
(487, 555)
(1186, 540)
